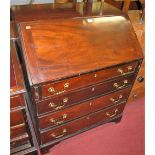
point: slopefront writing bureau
(80, 72)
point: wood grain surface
(63, 48)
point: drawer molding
(63, 101)
(81, 131)
(61, 131)
(82, 109)
(85, 80)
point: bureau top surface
(16, 78)
(61, 10)
(60, 48)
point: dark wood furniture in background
(22, 136)
(80, 60)
(35, 12)
(126, 5)
(138, 90)
(137, 18)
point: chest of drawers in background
(80, 72)
(22, 137)
(138, 90)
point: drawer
(16, 118)
(17, 130)
(62, 101)
(20, 140)
(85, 108)
(63, 86)
(80, 124)
(17, 101)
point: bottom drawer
(20, 140)
(85, 122)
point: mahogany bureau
(22, 137)
(80, 71)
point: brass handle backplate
(58, 106)
(130, 69)
(54, 135)
(116, 85)
(57, 122)
(116, 100)
(112, 115)
(52, 90)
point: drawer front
(18, 141)
(17, 101)
(85, 108)
(60, 102)
(17, 130)
(16, 118)
(82, 123)
(86, 79)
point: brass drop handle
(52, 90)
(116, 85)
(123, 73)
(54, 135)
(57, 122)
(112, 115)
(58, 106)
(116, 101)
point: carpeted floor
(124, 138)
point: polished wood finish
(16, 118)
(79, 124)
(85, 108)
(87, 79)
(80, 61)
(82, 95)
(17, 130)
(21, 132)
(48, 65)
(13, 31)
(17, 101)
(138, 90)
(18, 141)
(16, 78)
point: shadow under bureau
(80, 72)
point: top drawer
(63, 86)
